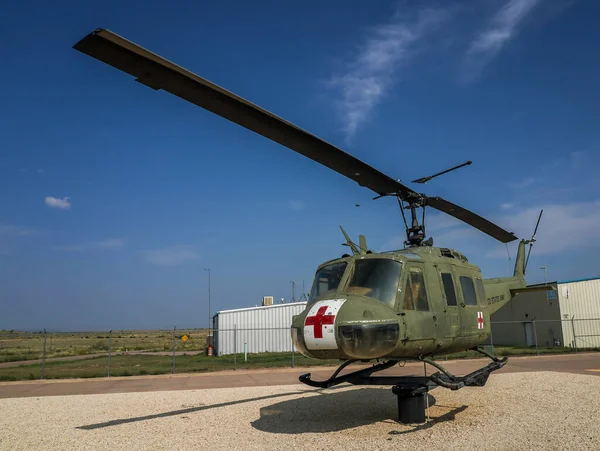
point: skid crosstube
(477, 378)
(410, 390)
(356, 377)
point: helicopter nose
(317, 332)
(368, 341)
(331, 326)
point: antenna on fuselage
(351, 244)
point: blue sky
(114, 198)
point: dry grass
(18, 346)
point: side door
(472, 321)
(450, 295)
(416, 305)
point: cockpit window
(376, 278)
(327, 280)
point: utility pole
(293, 291)
(208, 341)
(545, 269)
(303, 297)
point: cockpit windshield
(376, 278)
(327, 279)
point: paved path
(583, 363)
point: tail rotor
(532, 240)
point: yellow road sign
(185, 338)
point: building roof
(579, 280)
(260, 307)
(559, 282)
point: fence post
(537, 352)
(109, 343)
(234, 346)
(173, 367)
(44, 354)
(574, 337)
(291, 339)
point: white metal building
(569, 316)
(255, 329)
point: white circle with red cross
(319, 324)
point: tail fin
(520, 260)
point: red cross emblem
(319, 320)
(479, 320)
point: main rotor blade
(472, 219)
(158, 73)
(429, 177)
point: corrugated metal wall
(510, 322)
(261, 329)
(580, 301)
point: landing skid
(410, 390)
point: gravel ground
(544, 410)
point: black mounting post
(411, 402)
(410, 390)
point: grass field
(17, 346)
(135, 365)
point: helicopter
(388, 307)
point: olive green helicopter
(388, 307)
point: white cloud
(370, 74)
(572, 227)
(171, 256)
(55, 202)
(527, 181)
(7, 229)
(501, 29)
(108, 244)
(506, 206)
(113, 243)
(69, 247)
(297, 205)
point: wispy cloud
(14, 230)
(69, 247)
(171, 256)
(524, 183)
(297, 205)
(372, 70)
(572, 226)
(112, 243)
(489, 42)
(55, 202)
(506, 206)
(108, 244)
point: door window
(415, 296)
(480, 290)
(449, 288)
(468, 289)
